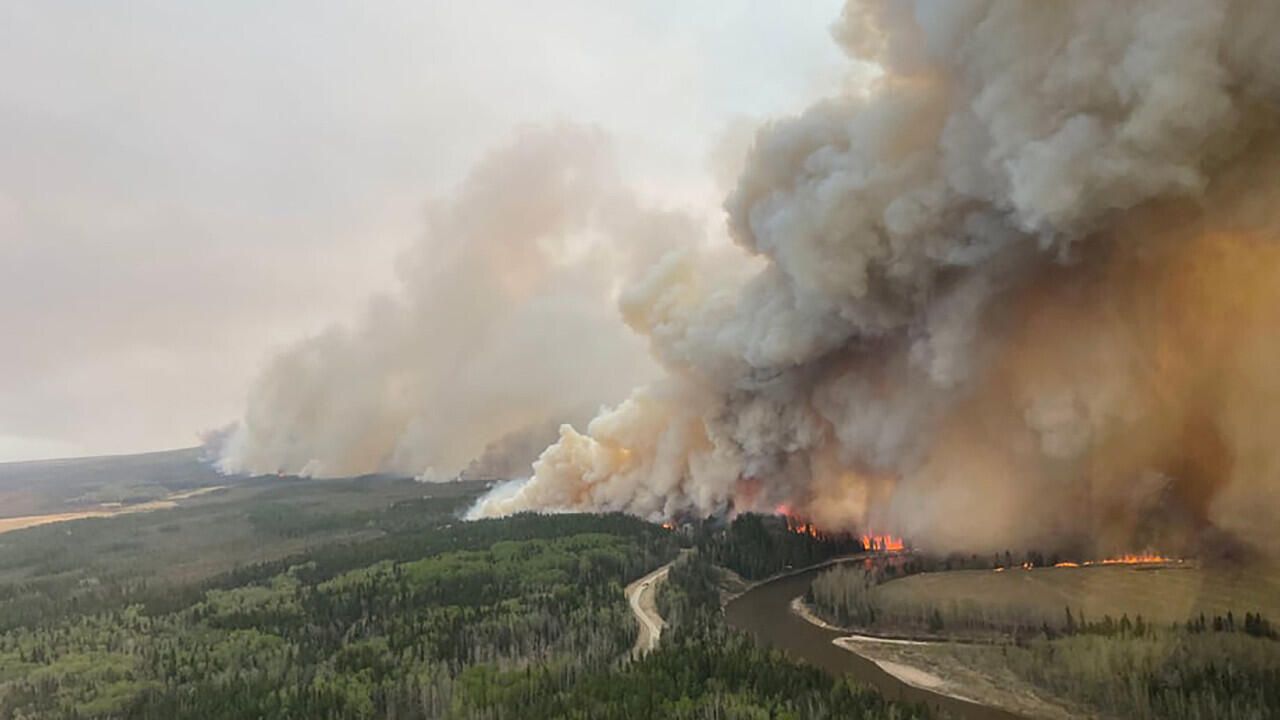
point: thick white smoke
(983, 289)
(504, 321)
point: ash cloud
(984, 303)
(503, 322)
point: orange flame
(1137, 560)
(874, 542)
(795, 523)
(1144, 559)
(885, 543)
(801, 527)
(1129, 559)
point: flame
(1137, 560)
(885, 543)
(1144, 559)
(1128, 559)
(873, 542)
(668, 525)
(801, 527)
(795, 523)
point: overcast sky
(187, 187)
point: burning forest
(924, 365)
(1017, 290)
(871, 542)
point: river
(765, 612)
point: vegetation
(1157, 673)
(363, 598)
(703, 669)
(978, 602)
(166, 558)
(757, 546)
(56, 486)
(843, 595)
(1131, 665)
(429, 624)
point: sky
(186, 188)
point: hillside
(370, 598)
(54, 486)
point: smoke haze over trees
(1015, 289)
(1017, 292)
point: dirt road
(640, 595)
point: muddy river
(765, 612)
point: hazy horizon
(187, 190)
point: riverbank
(764, 612)
(966, 672)
(734, 585)
(908, 674)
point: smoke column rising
(1022, 291)
(504, 320)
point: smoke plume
(1023, 289)
(504, 321)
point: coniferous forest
(394, 612)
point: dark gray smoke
(1023, 288)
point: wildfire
(886, 543)
(801, 527)
(1137, 560)
(1145, 559)
(796, 524)
(1130, 559)
(873, 542)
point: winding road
(767, 611)
(640, 595)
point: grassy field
(75, 484)
(1161, 674)
(1179, 640)
(1162, 594)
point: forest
(1209, 665)
(395, 609)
